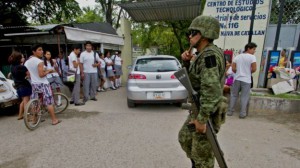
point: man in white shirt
(74, 67)
(89, 62)
(243, 66)
(39, 80)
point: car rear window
(156, 65)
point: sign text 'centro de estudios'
(235, 18)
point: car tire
(130, 104)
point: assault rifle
(183, 77)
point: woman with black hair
(109, 70)
(19, 74)
(102, 73)
(53, 78)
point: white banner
(235, 19)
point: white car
(152, 80)
(8, 94)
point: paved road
(106, 134)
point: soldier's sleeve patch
(210, 61)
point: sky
(85, 3)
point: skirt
(118, 70)
(110, 73)
(102, 74)
(24, 91)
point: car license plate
(158, 95)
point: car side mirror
(129, 67)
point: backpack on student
(114, 70)
(96, 62)
(71, 74)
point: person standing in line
(109, 70)
(102, 74)
(39, 81)
(207, 76)
(283, 59)
(62, 66)
(74, 68)
(53, 78)
(89, 61)
(243, 66)
(118, 69)
(19, 73)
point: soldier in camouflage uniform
(207, 75)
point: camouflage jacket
(207, 75)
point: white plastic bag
(287, 73)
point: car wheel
(130, 104)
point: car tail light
(136, 76)
(173, 76)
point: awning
(75, 34)
(163, 10)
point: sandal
(58, 121)
(20, 118)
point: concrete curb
(263, 105)
(267, 105)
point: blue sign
(296, 60)
(274, 58)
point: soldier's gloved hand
(200, 128)
(186, 56)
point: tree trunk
(109, 12)
(177, 37)
(118, 20)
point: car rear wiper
(165, 70)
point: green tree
(112, 11)
(90, 15)
(15, 12)
(107, 9)
(169, 37)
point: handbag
(71, 78)
(71, 75)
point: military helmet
(207, 25)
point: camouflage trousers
(196, 146)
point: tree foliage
(169, 37)
(90, 15)
(112, 11)
(15, 12)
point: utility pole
(282, 2)
(252, 21)
(298, 47)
